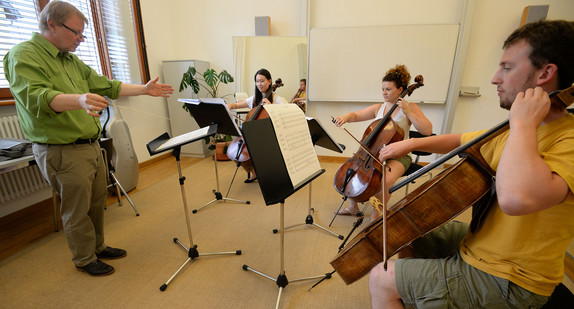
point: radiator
(23, 181)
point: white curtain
(239, 60)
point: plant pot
(220, 155)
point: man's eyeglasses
(75, 32)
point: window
(17, 21)
(114, 46)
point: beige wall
(194, 29)
(203, 30)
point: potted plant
(210, 80)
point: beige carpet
(43, 276)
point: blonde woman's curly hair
(399, 74)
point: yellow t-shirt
(528, 250)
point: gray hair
(58, 11)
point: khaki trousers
(77, 172)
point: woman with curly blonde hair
(395, 81)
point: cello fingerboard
(563, 97)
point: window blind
(17, 22)
(88, 50)
(116, 34)
(18, 19)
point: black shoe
(97, 268)
(111, 253)
(250, 180)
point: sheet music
(192, 101)
(204, 100)
(294, 140)
(184, 138)
(213, 100)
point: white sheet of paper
(212, 100)
(192, 101)
(183, 138)
(294, 140)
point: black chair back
(561, 298)
(416, 134)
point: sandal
(348, 212)
(376, 203)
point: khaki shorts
(444, 280)
(405, 161)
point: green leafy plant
(210, 80)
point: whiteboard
(348, 64)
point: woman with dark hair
(395, 81)
(263, 92)
(263, 95)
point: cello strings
(363, 147)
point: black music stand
(319, 137)
(214, 111)
(165, 143)
(274, 181)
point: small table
(22, 162)
(14, 164)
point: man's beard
(507, 100)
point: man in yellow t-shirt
(300, 97)
(514, 258)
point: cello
(236, 149)
(360, 176)
(469, 182)
(300, 104)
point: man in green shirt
(58, 99)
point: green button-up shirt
(37, 72)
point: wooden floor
(28, 225)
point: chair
(107, 146)
(415, 166)
(560, 298)
(240, 96)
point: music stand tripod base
(282, 280)
(218, 196)
(192, 253)
(310, 222)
